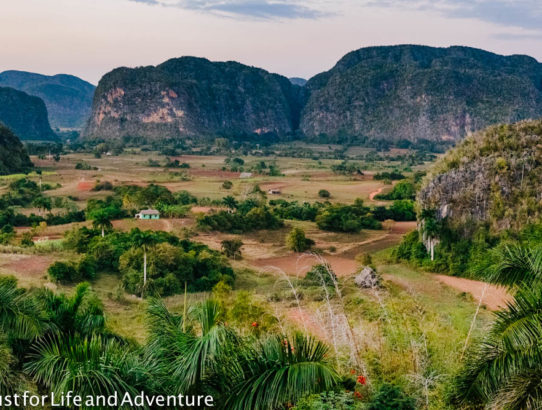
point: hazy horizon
(295, 39)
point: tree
(297, 241)
(277, 371)
(42, 203)
(232, 248)
(230, 202)
(101, 218)
(505, 369)
(144, 239)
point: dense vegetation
(415, 92)
(154, 263)
(482, 193)
(55, 343)
(25, 115)
(13, 157)
(504, 370)
(68, 99)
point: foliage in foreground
(505, 370)
(60, 344)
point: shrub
(232, 248)
(319, 274)
(297, 241)
(391, 397)
(63, 272)
(323, 193)
(227, 184)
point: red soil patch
(85, 185)
(304, 320)
(33, 266)
(495, 297)
(375, 193)
(402, 228)
(300, 264)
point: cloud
(258, 9)
(526, 14)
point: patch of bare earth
(300, 264)
(494, 297)
(29, 269)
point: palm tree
(230, 202)
(257, 375)
(21, 315)
(278, 371)
(88, 365)
(505, 370)
(101, 220)
(42, 203)
(191, 359)
(144, 240)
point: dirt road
(495, 297)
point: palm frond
(277, 371)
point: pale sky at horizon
(297, 38)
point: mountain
(191, 96)
(25, 115)
(68, 98)
(13, 156)
(385, 93)
(298, 81)
(413, 92)
(492, 179)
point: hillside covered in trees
(68, 98)
(13, 156)
(25, 115)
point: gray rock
(367, 278)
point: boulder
(367, 278)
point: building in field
(148, 214)
(274, 192)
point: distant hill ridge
(390, 93)
(68, 98)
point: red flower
(254, 324)
(362, 380)
(358, 395)
(352, 371)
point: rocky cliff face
(25, 115)
(68, 98)
(13, 156)
(392, 93)
(193, 96)
(413, 92)
(492, 177)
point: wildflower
(352, 371)
(362, 380)
(358, 395)
(254, 324)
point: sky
(296, 38)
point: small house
(148, 214)
(274, 192)
(245, 175)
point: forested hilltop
(191, 96)
(25, 115)
(483, 192)
(68, 98)
(396, 93)
(13, 156)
